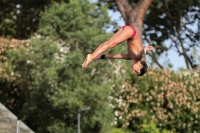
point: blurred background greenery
(44, 42)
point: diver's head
(139, 68)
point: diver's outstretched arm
(116, 56)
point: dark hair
(143, 70)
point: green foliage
(20, 19)
(151, 128)
(48, 85)
(54, 88)
(42, 82)
(81, 28)
(117, 130)
(169, 99)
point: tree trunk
(133, 16)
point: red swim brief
(134, 31)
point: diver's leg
(121, 36)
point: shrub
(169, 99)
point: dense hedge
(171, 100)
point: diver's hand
(148, 48)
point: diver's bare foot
(87, 61)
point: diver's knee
(112, 44)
